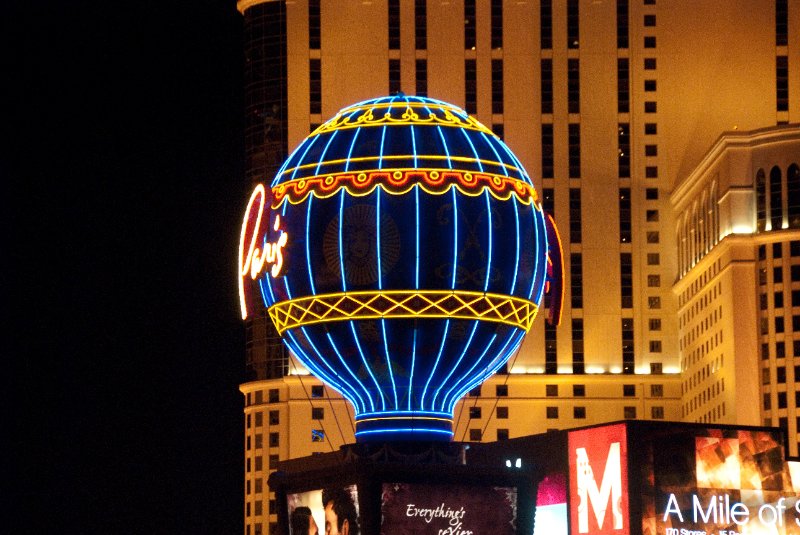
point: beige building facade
(616, 109)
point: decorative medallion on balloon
(402, 253)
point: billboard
(719, 481)
(332, 510)
(598, 483)
(447, 509)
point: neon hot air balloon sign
(420, 255)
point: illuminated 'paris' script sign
(252, 259)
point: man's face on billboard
(332, 522)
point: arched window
(687, 241)
(793, 194)
(775, 199)
(761, 201)
(714, 216)
(702, 216)
(695, 235)
(679, 233)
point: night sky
(122, 194)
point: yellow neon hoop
(360, 305)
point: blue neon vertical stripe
(308, 242)
(539, 274)
(454, 368)
(485, 373)
(414, 145)
(455, 238)
(345, 389)
(501, 357)
(378, 234)
(291, 159)
(350, 151)
(346, 367)
(268, 280)
(389, 362)
(536, 250)
(324, 151)
(341, 249)
(367, 367)
(489, 260)
(516, 251)
(416, 230)
(300, 161)
(444, 144)
(411, 375)
(380, 287)
(496, 155)
(466, 375)
(544, 264)
(523, 173)
(380, 154)
(435, 366)
(474, 151)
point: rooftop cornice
(686, 188)
(244, 5)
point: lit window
(573, 20)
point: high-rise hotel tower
(662, 135)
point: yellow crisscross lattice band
(403, 304)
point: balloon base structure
(404, 427)
(402, 487)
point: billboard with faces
(333, 510)
(699, 481)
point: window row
(698, 229)
(778, 198)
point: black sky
(122, 195)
